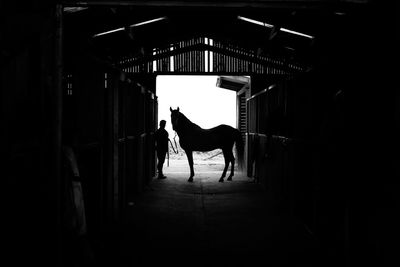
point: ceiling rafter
(275, 63)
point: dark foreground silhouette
(194, 138)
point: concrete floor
(207, 223)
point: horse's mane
(188, 122)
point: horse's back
(221, 136)
(222, 128)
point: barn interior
(315, 106)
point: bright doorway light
(198, 98)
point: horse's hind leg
(226, 158)
(189, 155)
(232, 160)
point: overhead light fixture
(74, 9)
(297, 33)
(256, 22)
(108, 32)
(131, 26)
(147, 22)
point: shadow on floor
(206, 223)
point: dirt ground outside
(204, 162)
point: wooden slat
(189, 57)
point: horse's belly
(199, 146)
(206, 140)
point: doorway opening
(205, 103)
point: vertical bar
(198, 61)
(227, 63)
(181, 61)
(237, 61)
(180, 57)
(168, 61)
(178, 63)
(192, 57)
(221, 60)
(201, 56)
(57, 125)
(157, 63)
(115, 154)
(232, 67)
(204, 57)
(195, 63)
(209, 57)
(216, 58)
(161, 60)
(231, 64)
(190, 60)
(183, 65)
(154, 61)
(164, 61)
(201, 53)
(187, 57)
(217, 63)
(172, 59)
(184, 61)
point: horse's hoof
(190, 180)
(221, 180)
(229, 178)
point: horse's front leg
(189, 155)
(232, 169)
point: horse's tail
(239, 149)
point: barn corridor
(207, 223)
(313, 94)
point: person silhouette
(161, 142)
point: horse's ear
(177, 109)
(170, 109)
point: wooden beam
(293, 4)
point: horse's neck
(188, 127)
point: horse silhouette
(194, 138)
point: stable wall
(30, 133)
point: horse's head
(175, 115)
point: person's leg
(161, 159)
(159, 163)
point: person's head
(162, 124)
